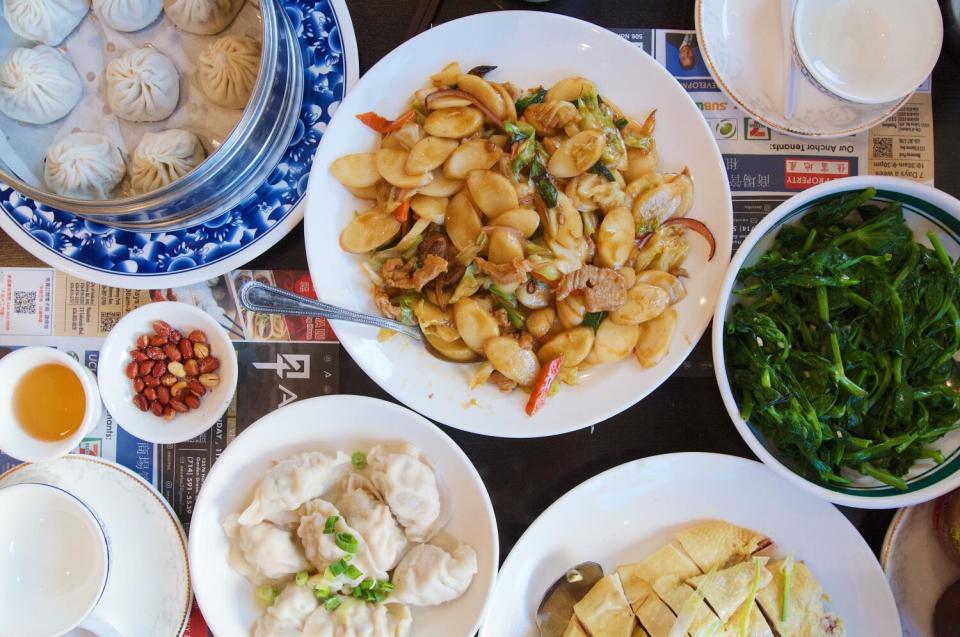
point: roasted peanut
(208, 365)
(196, 387)
(163, 394)
(141, 402)
(186, 348)
(201, 350)
(192, 401)
(132, 369)
(145, 367)
(159, 369)
(151, 381)
(178, 388)
(209, 380)
(150, 393)
(178, 405)
(142, 341)
(162, 328)
(138, 355)
(154, 353)
(168, 380)
(172, 351)
(169, 412)
(175, 337)
(157, 341)
(176, 369)
(156, 408)
(138, 385)
(192, 367)
(198, 336)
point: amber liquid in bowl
(49, 403)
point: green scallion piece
(267, 594)
(339, 567)
(347, 542)
(322, 592)
(353, 572)
(359, 459)
(302, 578)
(331, 525)
(787, 576)
(332, 604)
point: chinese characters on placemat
(286, 359)
(766, 167)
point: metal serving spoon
(556, 607)
(257, 297)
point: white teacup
(867, 51)
(54, 564)
(13, 439)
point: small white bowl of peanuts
(167, 372)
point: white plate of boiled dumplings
(122, 97)
(278, 505)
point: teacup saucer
(742, 46)
(148, 591)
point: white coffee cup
(867, 51)
(13, 439)
(54, 565)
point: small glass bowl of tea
(48, 403)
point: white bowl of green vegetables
(836, 337)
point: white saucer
(148, 592)
(917, 568)
(742, 46)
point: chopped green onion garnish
(751, 597)
(353, 572)
(527, 100)
(621, 123)
(359, 459)
(358, 593)
(593, 319)
(367, 584)
(331, 525)
(599, 169)
(267, 594)
(347, 542)
(787, 576)
(339, 567)
(332, 604)
(322, 592)
(385, 586)
(302, 578)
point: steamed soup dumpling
(127, 15)
(83, 166)
(38, 85)
(46, 21)
(142, 85)
(161, 158)
(203, 17)
(227, 70)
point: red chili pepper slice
(383, 125)
(541, 388)
(402, 212)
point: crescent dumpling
(430, 575)
(409, 486)
(263, 552)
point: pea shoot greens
(841, 350)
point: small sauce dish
(867, 51)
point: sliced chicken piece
(720, 544)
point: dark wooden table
(686, 413)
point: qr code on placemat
(108, 320)
(883, 148)
(24, 302)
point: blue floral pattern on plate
(121, 252)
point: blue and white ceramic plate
(168, 259)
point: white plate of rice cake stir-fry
(552, 228)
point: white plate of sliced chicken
(691, 545)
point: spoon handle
(257, 297)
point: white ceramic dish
(925, 209)
(516, 41)
(347, 423)
(117, 390)
(148, 591)
(743, 47)
(867, 51)
(917, 568)
(628, 512)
